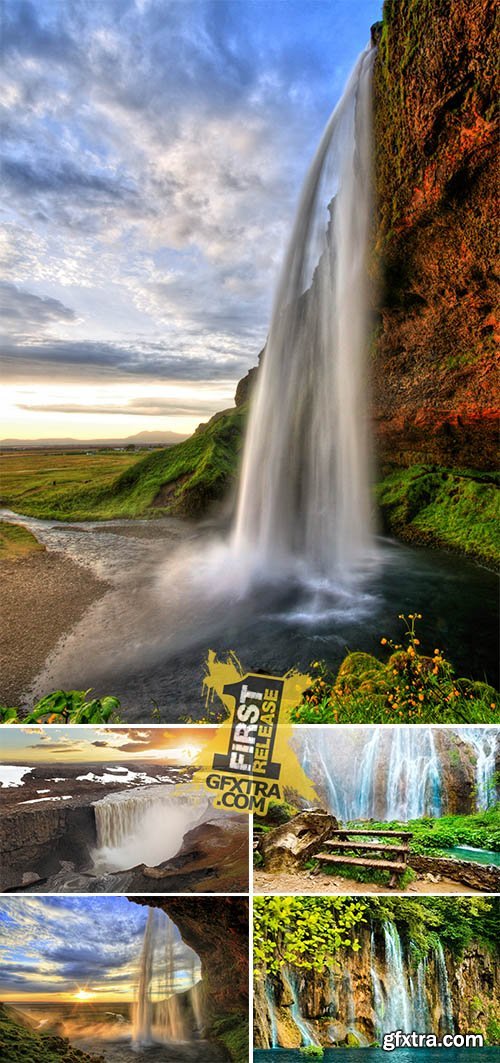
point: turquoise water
(476, 856)
(376, 1055)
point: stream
(173, 595)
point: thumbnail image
(114, 810)
(339, 972)
(98, 979)
(412, 808)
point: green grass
(181, 480)
(459, 509)
(407, 688)
(17, 542)
(432, 837)
(232, 1032)
(19, 1044)
(368, 875)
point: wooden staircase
(344, 840)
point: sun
(83, 994)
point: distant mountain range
(165, 439)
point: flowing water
(300, 575)
(304, 495)
(375, 773)
(160, 1015)
(484, 741)
(144, 825)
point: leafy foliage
(434, 836)
(456, 921)
(66, 706)
(410, 687)
(303, 931)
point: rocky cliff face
(217, 929)
(435, 174)
(33, 842)
(338, 1004)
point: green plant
(66, 706)
(410, 687)
(312, 1051)
(303, 931)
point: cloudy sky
(77, 949)
(106, 744)
(153, 152)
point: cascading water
(144, 825)
(484, 741)
(305, 483)
(143, 1011)
(398, 1012)
(159, 1016)
(271, 1008)
(394, 774)
(446, 1025)
(306, 1032)
(414, 779)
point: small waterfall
(368, 778)
(447, 1022)
(144, 825)
(377, 992)
(421, 1005)
(392, 1000)
(307, 1034)
(271, 1008)
(484, 741)
(160, 1016)
(304, 495)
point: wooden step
(375, 833)
(356, 861)
(374, 846)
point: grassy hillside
(182, 480)
(21, 1044)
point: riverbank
(44, 594)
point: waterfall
(484, 741)
(305, 483)
(392, 1000)
(307, 1034)
(160, 1016)
(143, 1011)
(271, 1008)
(394, 775)
(144, 825)
(421, 1007)
(446, 1023)
(414, 778)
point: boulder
(290, 845)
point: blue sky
(152, 155)
(52, 948)
(49, 744)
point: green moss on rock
(459, 509)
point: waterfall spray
(143, 1012)
(305, 482)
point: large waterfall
(375, 773)
(305, 483)
(160, 1015)
(144, 825)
